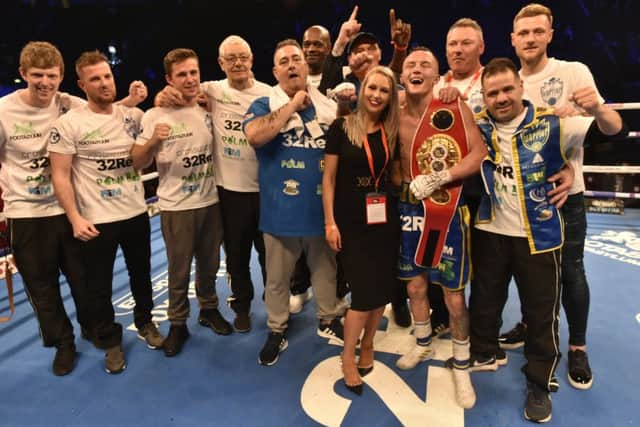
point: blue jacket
(538, 153)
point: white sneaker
(417, 354)
(465, 394)
(296, 302)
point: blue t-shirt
(290, 177)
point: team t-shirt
(25, 175)
(471, 88)
(106, 185)
(185, 160)
(235, 160)
(551, 87)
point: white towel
(325, 108)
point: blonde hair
(40, 55)
(88, 58)
(534, 9)
(469, 23)
(355, 123)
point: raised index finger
(392, 17)
(354, 13)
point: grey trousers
(189, 233)
(282, 254)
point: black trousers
(42, 247)
(499, 258)
(240, 219)
(98, 257)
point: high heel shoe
(357, 389)
(365, 370)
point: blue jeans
(575, 289)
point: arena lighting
(17, 81)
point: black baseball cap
(360, 38)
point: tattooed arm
(265, 128)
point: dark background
(602, 34)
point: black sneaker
(482, 362)
(501, 358)
(554, 385)
(178, 335)
(212, 318)
(242, 323)
(537, 407)
(276, 344)
(333, 330)
(401, 314)
(514, 338)
(64, 359)
(440, 330)
(579, 374)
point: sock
(422, 332)
(460, 353)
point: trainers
(579, 374)
(149, 333)
(242, 323)
(554, 385)
(114, 361)
(276, 344)
(401, 314)
(333, 330)
(417, 354)
(465, 394)
(178, 335)
(481, 362)
(501, 358)
(440, 330)
(64, 359)
(514, 338)
(537, 407)
(296, 302)
(212, 318)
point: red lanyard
(474, 79)
(367, 150)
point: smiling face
(236, 61)
(530, 38)
(185, 77)
(316, 47)
(42, 84)
(419, 73)
(464, 48)
(376, 93)
(290, 69)
(502, 94)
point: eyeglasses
(231, 59)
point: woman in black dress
(361, 221)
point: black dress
(369, 253)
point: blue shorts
(453, 272)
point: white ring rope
(624, 105)
(610, 169)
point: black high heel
(357, 389)
(365, 370)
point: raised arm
(142, 155)
(263, 129)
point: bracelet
(398, 47)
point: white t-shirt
(25, 175)
(508, 216)
(106, 185)
(185, 159)
(235, 160)
(471, 87)
(314, 80)
(551, 87)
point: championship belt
(439, 143)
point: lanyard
(367, 150)
(474, 79)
